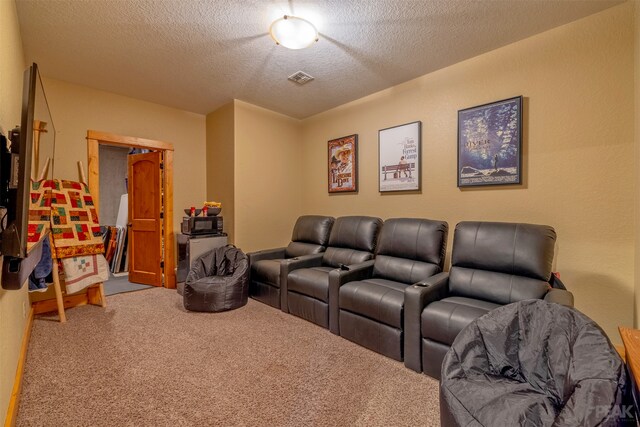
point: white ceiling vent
(300, 77)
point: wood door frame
(94, 140)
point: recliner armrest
(559, 296)
(556, 283)
(416, 298)
(276, 253)
(339, 277)
(432, 289)
(290, 264)
(354, 272)
(306, 261)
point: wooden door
(145, 223)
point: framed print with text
(343, 164)
(490, 144)
(399, 157)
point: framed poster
(399, 157)
(343, 164)
(490, 144)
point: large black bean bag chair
(533, 363)
(217, 281)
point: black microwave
(202, 225)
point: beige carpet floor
(146, 361)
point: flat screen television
(30, 147)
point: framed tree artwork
(343, 164)
(490, 144)
(399, 157)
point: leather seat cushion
(355, 232)
(509, 248)
(403, 270)
(494, 286)
(312, 229)
(313, 282)
(266, 271)
(443, 320)
(378, 299)
(296, 249)
(333, 257)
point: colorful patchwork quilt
(66, 208)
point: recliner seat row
(381, 284)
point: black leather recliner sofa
(352, 241)
(370, 296)
(269, 267)
(492, 264)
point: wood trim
(92, 296)
(128, 141)
(169, 244)
(95, 295)
(58, 290)
(631, 341)
(621, 352)
(93, 154)
(94, 139)
(14, 402)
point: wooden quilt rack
(93, 294)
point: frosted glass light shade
(293, 32)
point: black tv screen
(26, 161)
(14, 237)
(27, 156)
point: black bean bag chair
(217, 281)
(533, 363)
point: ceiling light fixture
(293, 32)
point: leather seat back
(352, 240)
(501, 262)
(310, 235)
(410, 249)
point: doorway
(150, 220)
(113, 210)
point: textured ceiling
(197, 55)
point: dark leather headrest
(312, 229)
(355, 232)
(518, 249)
(414, 238)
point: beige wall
(76, 109)
(13, 304)
(268, 177)
(221, 163)
(578, 152)
(637, 158)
